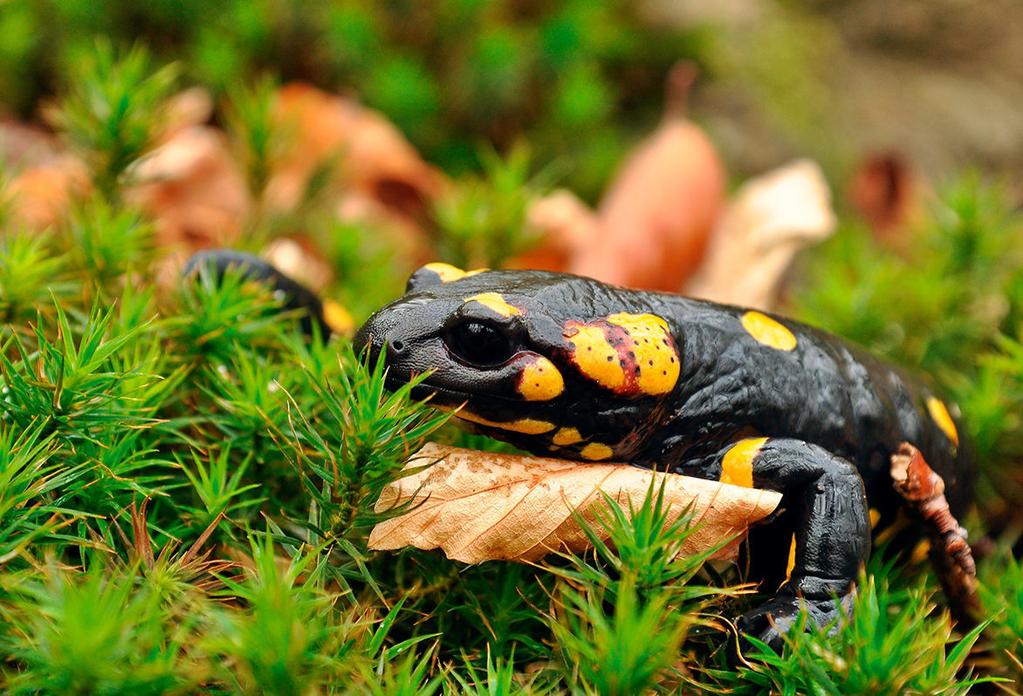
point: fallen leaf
(186, 109)
(563, 225)
(41, 196)
(299, 258)
(193, 189)
(25, 145)
(373, 156)
(408, 241)
(887, 193)
(768, 222)
(480, 506)
(656, 218)
(923, 491)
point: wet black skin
(833, 413)
(294, 296)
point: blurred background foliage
(580, 80)
(450, 74)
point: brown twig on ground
(924, 490)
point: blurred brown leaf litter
(664, 222)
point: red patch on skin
(620, 342)
(629, 354)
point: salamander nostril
(396, 346)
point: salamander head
(552, 363)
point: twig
(924, 490)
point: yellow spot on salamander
(446, 271)
(566, 436)
(540, 381)
(337, 317)
(942, 418)
(596, 451)
(737, 465)
(494, 301)
(792, 559)
(528, 426)
(768, 331)
(653, 356)
(595, 357)
(449, 273)
(629, 354)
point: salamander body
(566, 366)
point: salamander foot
(772, 620)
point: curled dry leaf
(769, 221)
(373, 156)
(924, 492)
(480, 506)
(656, 218)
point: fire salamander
(569, 367)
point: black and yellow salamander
(566, 366)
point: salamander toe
(771, 621)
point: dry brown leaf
(193, 189)
(25, 145)
(563, 224)
(374, 157)
(411, 245)
(924, 493)
(41, 196)
(656, 218)
(887, 192)
(769, 221)
(299, 258)
(480, 506)
(186, 109)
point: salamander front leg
(825, 496)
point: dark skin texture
(294, 295)
(832, 415)
(568, 367)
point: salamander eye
(479, 344)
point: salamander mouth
(434, 394)
(438, 395)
